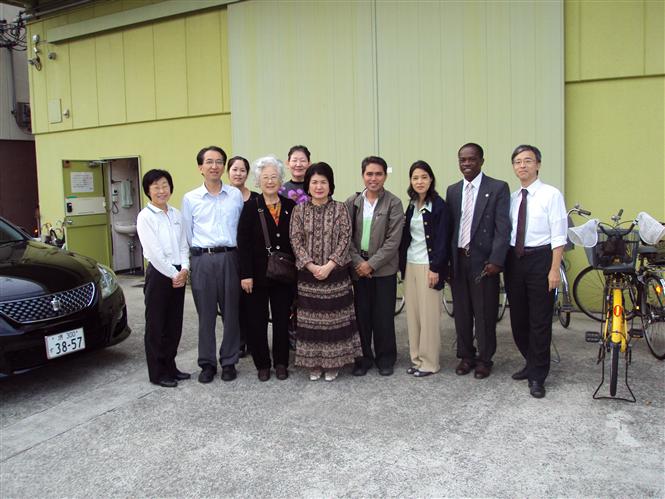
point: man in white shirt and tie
(481, 230)
(537, 240)
(211, 213)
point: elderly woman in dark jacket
(260, 290)
(423, 259)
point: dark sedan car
(53, 303)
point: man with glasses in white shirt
(211, 213)
(539, 225)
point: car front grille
(49, 307)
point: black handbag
(281, 266)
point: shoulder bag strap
(264, 227)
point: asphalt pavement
(93, 426)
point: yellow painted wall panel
(615, 134)
(170, 43)
(654, 37)
(146, 140)
(84, 83)
(81, 14)
(572, 38)
(110, 78)
(139, 70)
(204, 63)
(38, 86)
(612, 38)
(107, 7)
(57, 75)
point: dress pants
(423, 317)
(375, 307)
(216, 283)
(531, 306)
(475, 303)
(163, 323)
(280, 296)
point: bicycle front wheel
(448, 300)
(562, 303)
(653, 310)
(588, 291)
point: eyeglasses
(272, 178)
(525, 162)
(210, 162)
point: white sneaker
(315, 374)
(331, 375)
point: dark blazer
(490, 228)
(252, 255)
(437, 237)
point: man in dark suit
(480, 208)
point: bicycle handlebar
(615, 231)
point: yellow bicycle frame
(616, 325)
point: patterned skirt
(326, 331)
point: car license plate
(61, 344)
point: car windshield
(9, 233)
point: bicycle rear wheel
(447, 297)
(653, 310)
(399, 301)
(615, 351)
(588, 291)
(562, 303)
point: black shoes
(536, 389)
(166, 383)
(359, 369)
(207, 374)
(521, 374)
(281, 372)
(464, 367)
(482, 371)
(264, 374)
(180, 376)
(386, 371)
(229, 373)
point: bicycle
(614, 252)
(449, 307)
(399, 301)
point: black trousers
(475, 304)
(531, 306)
(375, 312)
(163, 323)
(280, 297)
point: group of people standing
(347, 255)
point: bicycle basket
(614, 252)
(657, 255)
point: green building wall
(164, 88)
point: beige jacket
(385, 236)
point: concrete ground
(92, 426)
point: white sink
(125, 228)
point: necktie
(520, 234)
(467, 217)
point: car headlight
(108, 282)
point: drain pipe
(34, 13)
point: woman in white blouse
(162, 234)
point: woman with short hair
(326, 330)
(162, 234)
(272, 211)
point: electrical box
(85, 206)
